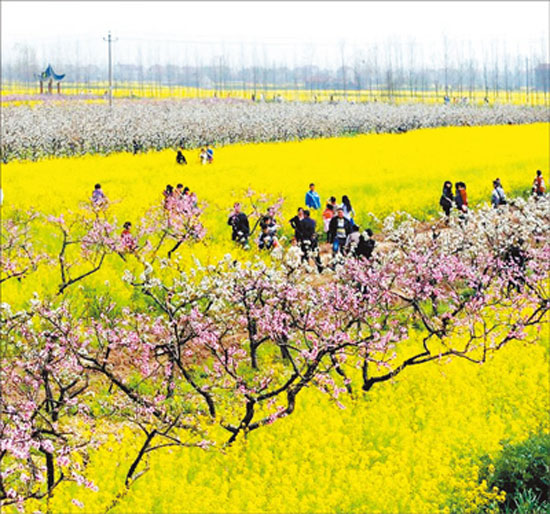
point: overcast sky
(286, 29)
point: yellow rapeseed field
(407, 446)
(270, 92)
(380, 173)
(410, 446)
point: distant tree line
(389, 68)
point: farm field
(384, 173)
(381, 173)
(410, 446)
(14, 93)
(274, 258)
(413, 442)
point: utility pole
(110, 40)
(527, 79)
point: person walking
(340, 228)
(539, 188)
(446, 200)
(461, 198)
(313, 200)
(497, 196)
(308, 241)
(238, 221)
(349, 213)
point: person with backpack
(497, 196)
(239, 223)
(309, 241)
(446, 200)
(339, 228)
(539, 187)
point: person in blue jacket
(209, 154)
(313, 200)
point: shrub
(522, 470)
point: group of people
(206, 155)
(238, 221)
(128, 242)
(459, 199)
(338, 224)
(170, 194)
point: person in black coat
(180, 158)
(366, 244)
(309, 240)
(239, 222)
(339, 229)
(446, 200)
(295, 224)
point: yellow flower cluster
(408, 446)
(271, 93)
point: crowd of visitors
(339, 226)
(498, 197)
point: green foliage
(523, 471)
